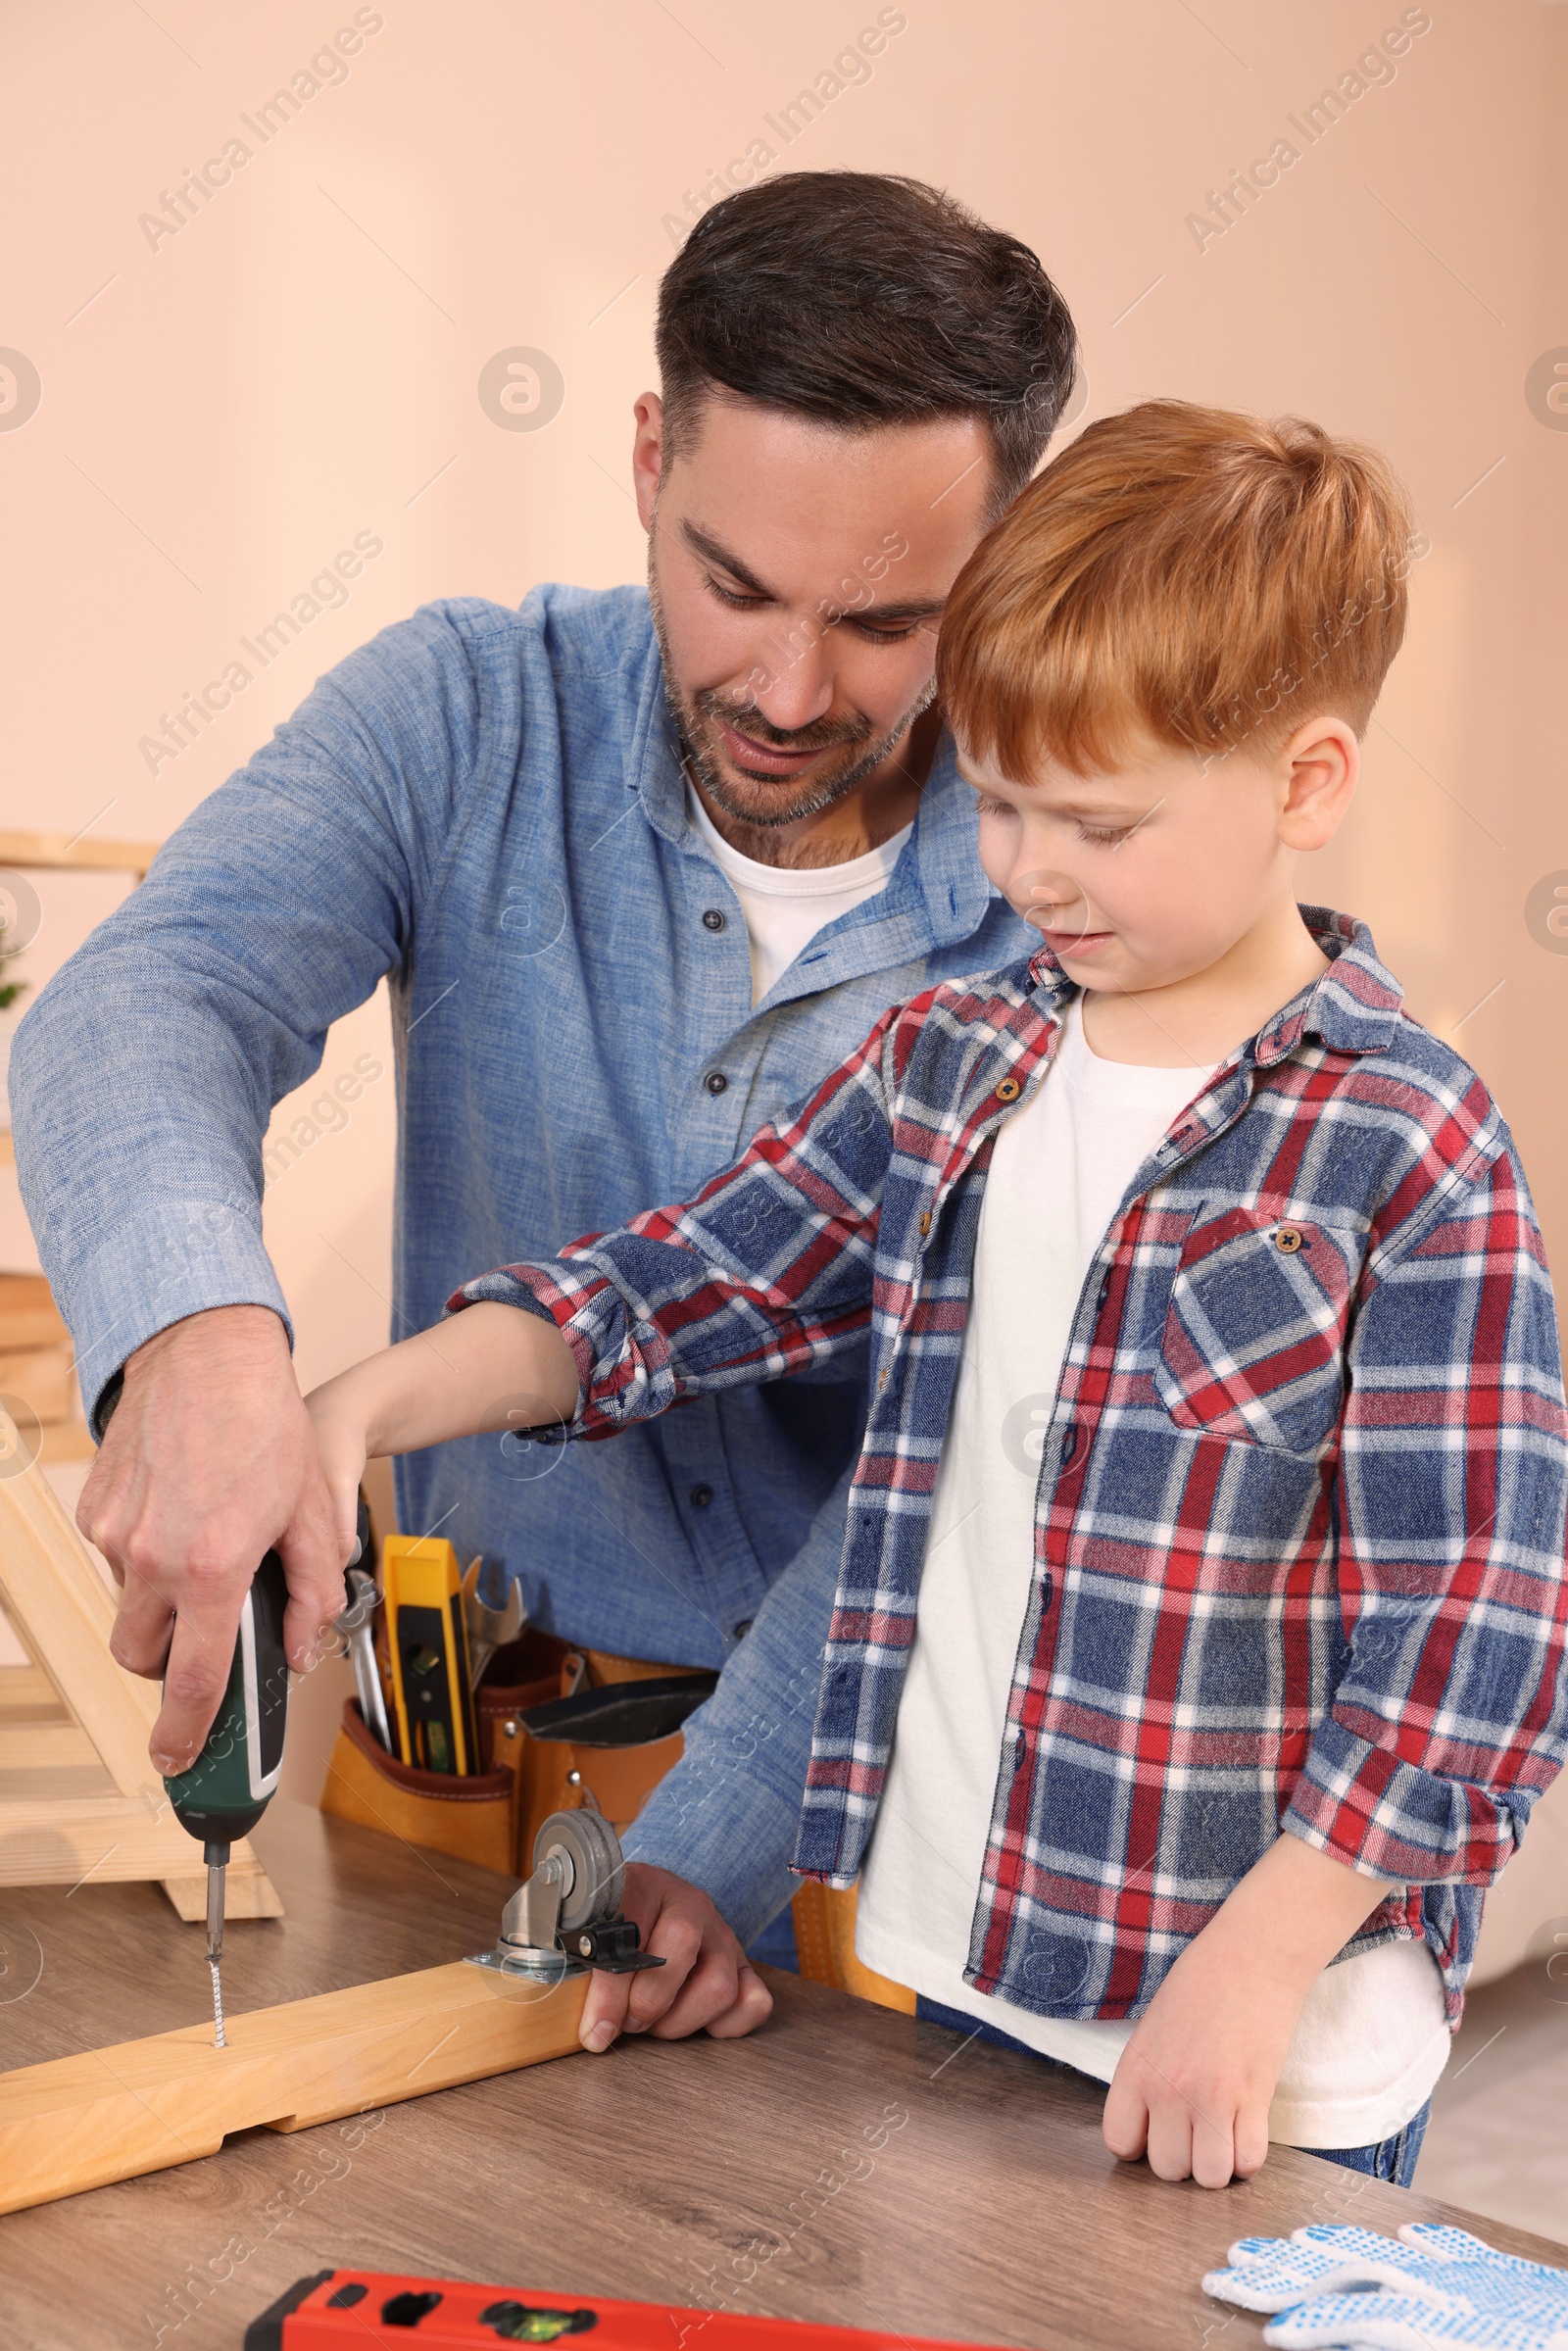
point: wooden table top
(844, 2164)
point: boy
(1212, 1345)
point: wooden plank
(43, 1377)
(65, 1837)
(27, 1783)
(29, 1315)
(249, 1894)
(64, 1614)
(143, 2106)
(61, 1746)
(60, 853)
(27, 1695)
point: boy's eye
(1105, 840)
(994, 808)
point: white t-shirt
(785, 907)
(1372, 2037)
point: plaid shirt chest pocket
(1253, 1340)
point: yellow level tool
(432, 1692)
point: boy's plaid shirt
(1301, 1513)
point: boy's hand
(706, 1984)
(342, 1443)
(1197, 2080)
(1194, 2086)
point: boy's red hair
(1207, 578)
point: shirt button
(1290, 1238)
(1069, 1444)
(925, 1221)
(1008, 1090)
(701, 1496)
(742, 1628)
(713, 919)
(716, 1081)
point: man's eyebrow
(703, 544)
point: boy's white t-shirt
(1372, 2037)
(786, 906)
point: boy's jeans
(1393, 2159)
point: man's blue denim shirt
(487, 807)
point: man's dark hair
(862, 299)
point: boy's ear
(1319, 768)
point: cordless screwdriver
(224, 1794)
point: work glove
(1350, 2289)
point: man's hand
(707, 1981)
(1195, 2082)
(209, 1462)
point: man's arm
(142, 1082)
(708, 1856)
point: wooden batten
(114, 2114)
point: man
(639, 871)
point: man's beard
(769, 804)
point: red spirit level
(356, 2310)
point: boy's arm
(1448, 1719)
(1194, 2086)
(489, 1369)
(768, 1270)
(1451, 1499)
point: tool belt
(554, 1722)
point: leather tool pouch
(553, 1722)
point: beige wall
(299, 363)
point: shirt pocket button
(1289, 1238)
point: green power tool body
(224, 1793)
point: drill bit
(216, 1859)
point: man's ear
(648, 454)
(1319, 768)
